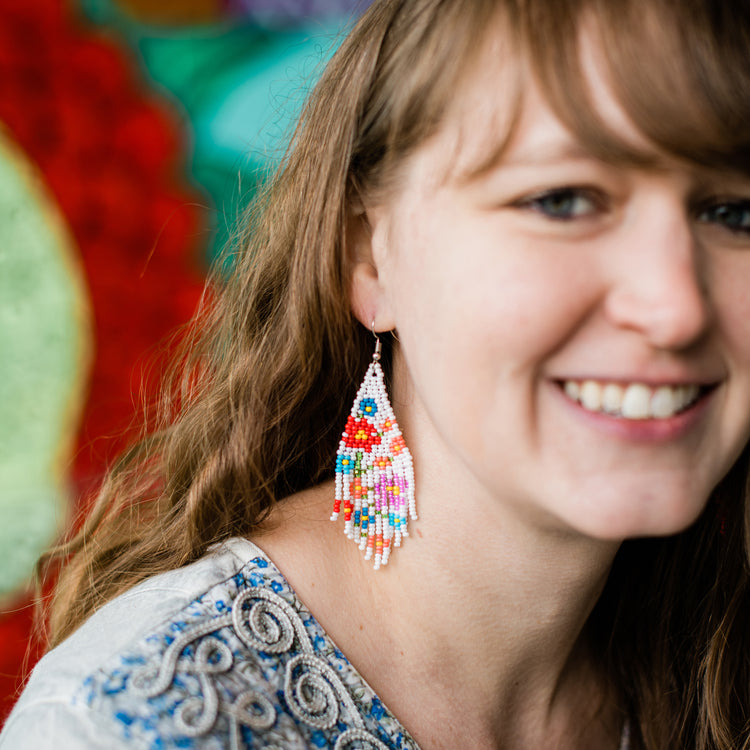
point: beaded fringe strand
(374, 472)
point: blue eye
(732, 215)
(562, 204)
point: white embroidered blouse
(219, 654)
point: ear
(367, 249)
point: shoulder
(51, 702)
(218, 654)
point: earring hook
(376, 355)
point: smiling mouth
(634, 400)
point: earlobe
(367, 292)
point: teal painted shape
(45, 338)
(240, 88)
(243, 91)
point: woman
(547, 205)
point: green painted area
(44, 343)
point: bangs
(430, 47)
(680, 70)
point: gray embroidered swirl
(364, 740)
(265, 622)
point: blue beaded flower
(368, 407)
(344, 464)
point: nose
(661, 286)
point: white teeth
(572, 389)
(688, 394)
(612, 398)
(591, 395)
(682, 396)
(635, 401)
(665, 401)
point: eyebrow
(611, 151)
(547, 154)
(645, 157)
(551, 153)
(502, 157)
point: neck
(500, 617)
(491, 619)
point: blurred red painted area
(17, 648)
(113, 156)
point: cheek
(454, 273)
(467, 298)
(478, 319)
(731, 293)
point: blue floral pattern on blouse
(245, 665)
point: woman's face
(574, 336)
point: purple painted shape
(291, 10)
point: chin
(644, 513)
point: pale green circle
(45, 340)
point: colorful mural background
(131, 135)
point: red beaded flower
(359, 433)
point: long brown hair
(254, 407)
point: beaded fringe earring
(374, 471)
